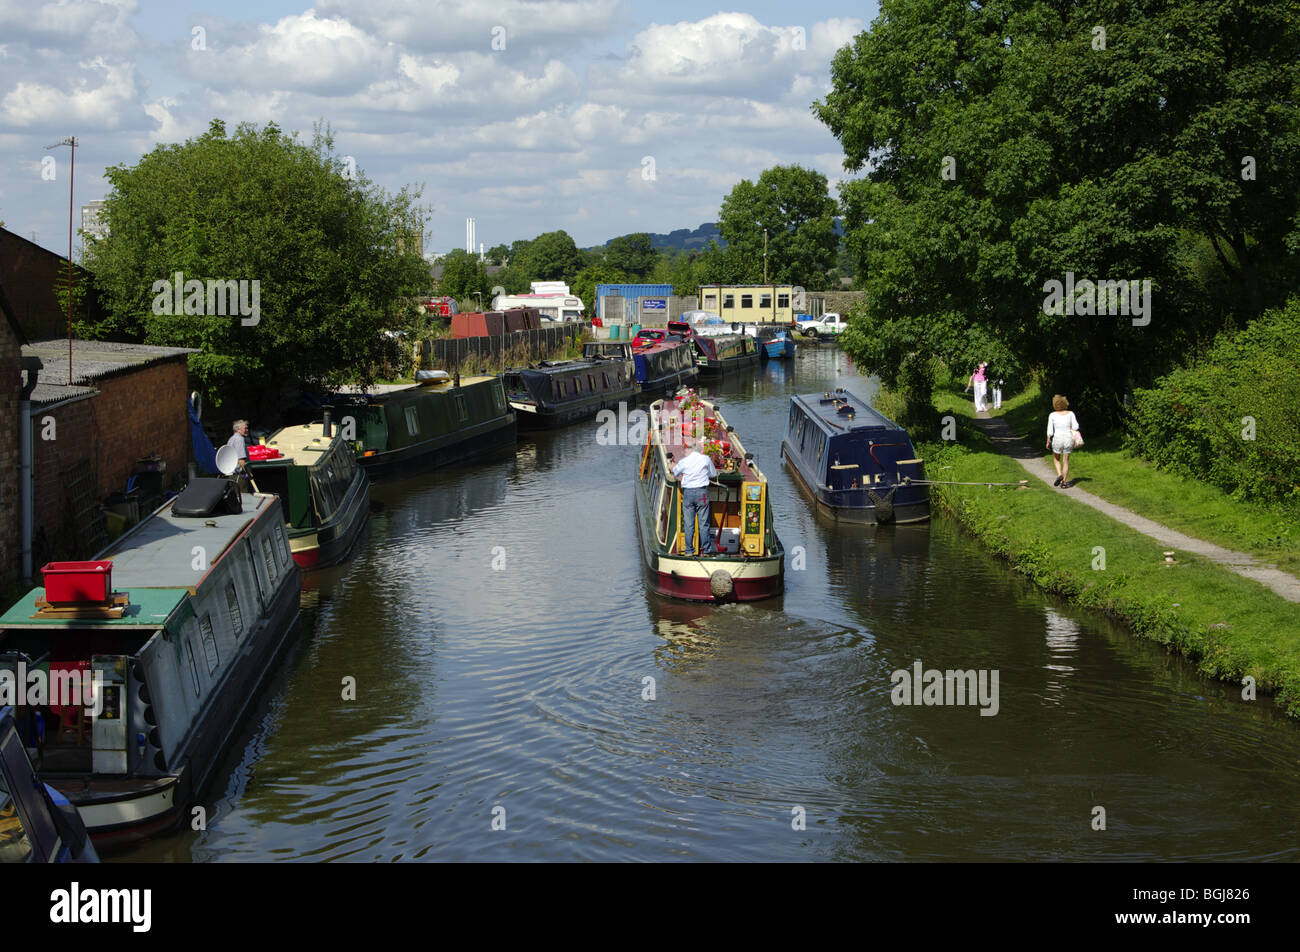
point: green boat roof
(149, 607)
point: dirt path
(1248, 566)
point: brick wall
(134, 415)
(11, 384)
(29, 274)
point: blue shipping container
(629, 291)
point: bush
(1232, 418)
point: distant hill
(696, 240)
(686, 239)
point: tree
(584, 283)
(312, 251)
(794, 206)
(1012, 143)
(498, 254)
(550, 257)
(632, 254)
(462, 275)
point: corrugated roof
(95, 359)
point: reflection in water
(498, 626)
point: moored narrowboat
(554, 393)
(326, 493)
(743, 560)
(151, 655)
(665, 366)
(854, 463)
(775, 344)
(438, 421)
(725, 353)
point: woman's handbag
(1077, 437)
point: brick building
(11, 385)
(29, 274)
(122, 403)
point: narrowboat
(554, 393)
(326, 494)
(724, 353)
(440, 420)
(37, 823)
(152, 654)
(855, 464)
(665, 366)
(744, 560)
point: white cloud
(88, 104)
(550, 27)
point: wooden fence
(535, 344)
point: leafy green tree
(1010, 143)
(462, 275)
(632, 254)
(498, 254)
(551, 257)
(584, 283)
(323, 244)
(794, 206)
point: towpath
(1008, 442)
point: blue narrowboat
(776, 344)
(855, 464)
(662, 366)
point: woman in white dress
(1061, 427)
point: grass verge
(1230, 627)
(1271, 533)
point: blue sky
(559, 129)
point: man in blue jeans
(695, 470)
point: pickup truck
(828, 324)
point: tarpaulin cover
(205, 454)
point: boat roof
(149, 607)
(159, 553)
(302, 445)
(673, 443)
(825, 408)
(154, 565)
(406, 390)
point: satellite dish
(227, 459)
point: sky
(598, 117)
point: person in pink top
(980, 382)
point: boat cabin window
(498, 399)
(559, 388)
(282, 542)
(461, 412)
(209, 643)
(604, 379)
(591, 383)
(194, 669)
(270, 561)
(412, 422)
(232, 606)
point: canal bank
(1232, 628)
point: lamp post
(765, 256)
(72, 172)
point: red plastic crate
(258, 452)
(72, 582)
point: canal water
(512, 669)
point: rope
(909, 481)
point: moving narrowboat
(856, 465)
(37, 823)
(743, 560)
(152, 654)
(554, 393)
(665, 366)
(724, 353)
(438, 421)
(326, 494)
